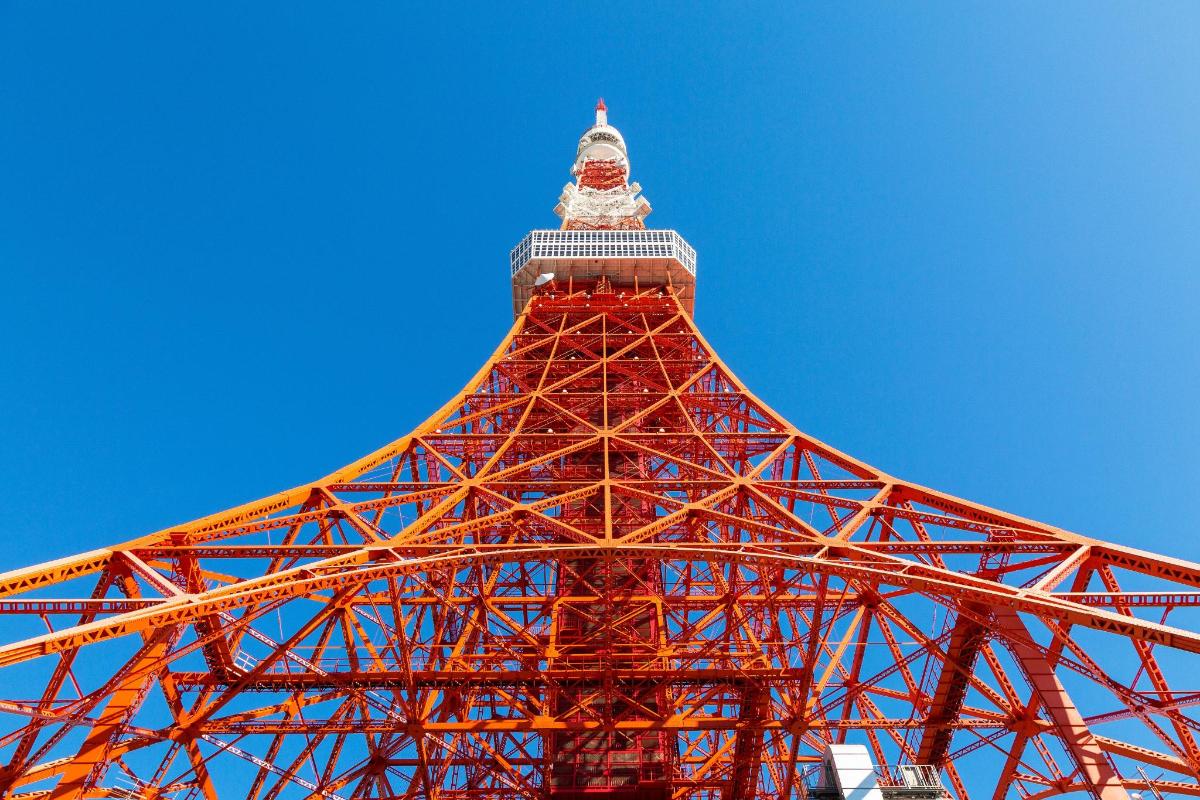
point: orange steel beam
(1100, 777)
(367, 564)
(603, 536)
(124, 701)
(967, 638)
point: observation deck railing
(895, 782)
(555, 245)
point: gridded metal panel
(617, 244)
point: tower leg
(1094, 766)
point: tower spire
(602, 198)
(602, 201)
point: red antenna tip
(600, 105)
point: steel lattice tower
(604, 569)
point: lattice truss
(605, 544)
(602, 174)
(602, 198)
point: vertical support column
(605, 636)
(966, 640)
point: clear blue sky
(242, 244)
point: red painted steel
(605, 569)
(602, 175)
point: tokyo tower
(604, 570)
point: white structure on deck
(853, 772)
(604, 144)
(603, 230)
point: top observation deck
(644, 257)
(603, 231)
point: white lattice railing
(548, 244)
